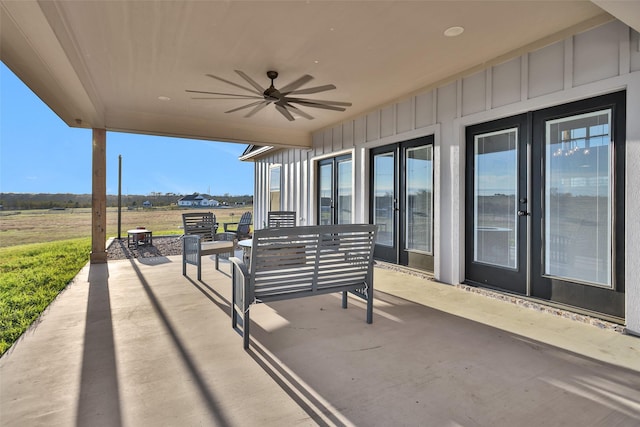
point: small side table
(139, 237)
(246, 246)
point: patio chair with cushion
(200, 239)
(202, 224)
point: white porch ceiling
(104, 64)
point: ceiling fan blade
(215, 97)
(308, 103)
(246, 106)
(258, 108)
(284, 112)
(318, 101)
(250, 81)
(299, 112)
(310, 90)
(225, 94)
(296, 83)
(234, 84)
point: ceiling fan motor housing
(272, 94)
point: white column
(99, 198)
(632, 207)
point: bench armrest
(190, 246)
(241, 298)
(240, 281)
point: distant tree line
(25, 201)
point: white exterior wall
(602, 60)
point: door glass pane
(383, 191)
(344, 192)
(326, 173)
(578, 188)
(495, 194)
(274, 188)
(419, 195)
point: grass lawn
(31, 276)
(41, 251)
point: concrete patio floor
(134, 343)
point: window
(335, 190)
(274, 188)
(579, 198)
(495, 198)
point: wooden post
(99, 198)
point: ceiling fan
(281, 98)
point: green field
(41, 251)
(38, 226)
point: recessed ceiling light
(453, 31)
(164, 98)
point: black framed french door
(335, 190)
(497, 204)
(545, 204)
(579, 204)
(402, 202)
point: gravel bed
(162, 246)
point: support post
(119, 195)
(99, 197)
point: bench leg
(234, 319)
(344, 299)
(245, 331)
(217, 264)
(370, 307)
(199, 268)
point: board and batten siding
(598, 61)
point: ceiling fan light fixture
(453, 31)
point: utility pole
(119, 194)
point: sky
(39, 153)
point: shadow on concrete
(416, 365)
(214, 296)
(214, 408)
(99, 399)
(304, 396)
(157, 260)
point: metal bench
(297, 262)
(200, 239)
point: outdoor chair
(280, 219)
(242, 228)
(201, 239)
(201, 223)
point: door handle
(523, 213)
